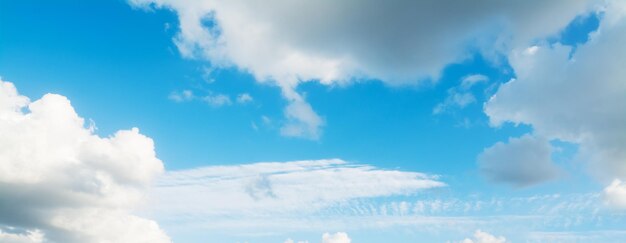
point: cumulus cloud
(578, 99)
(61, 182)
(274, 191)
(615, 194)
(522, 161)
(398, 42)
(484, 237)
(339, 237)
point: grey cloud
(520, 162)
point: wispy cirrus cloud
(268, 188)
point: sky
(312, 121)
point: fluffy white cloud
(615, 194)
(339, 237)
(59, 179)
(522, 161)
(579, 99)
(398, 42)
(484, 237)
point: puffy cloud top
(339, 237)
(59, 179)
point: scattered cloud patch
(292, 241)
(183, 96)
(461, 96)
(212, 99)
(61, 182)
(244, 98)
(615, 194)
(521, 162)
(454, 99)
(484, 237)
(339, 237)
(469, 81)
(217, 100)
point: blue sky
(384, 108)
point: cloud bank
(337, 42)
(578, 99)
(61, 182)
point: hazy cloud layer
(262, 188)
(269, 195)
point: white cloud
(217, 100)
(244, 98)
(291, 241)
(578, 99)
(59, 179)
(522, 161)
(615, 194)
(286, 42)
(339, 237)
(252, 192)
(484, 237)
